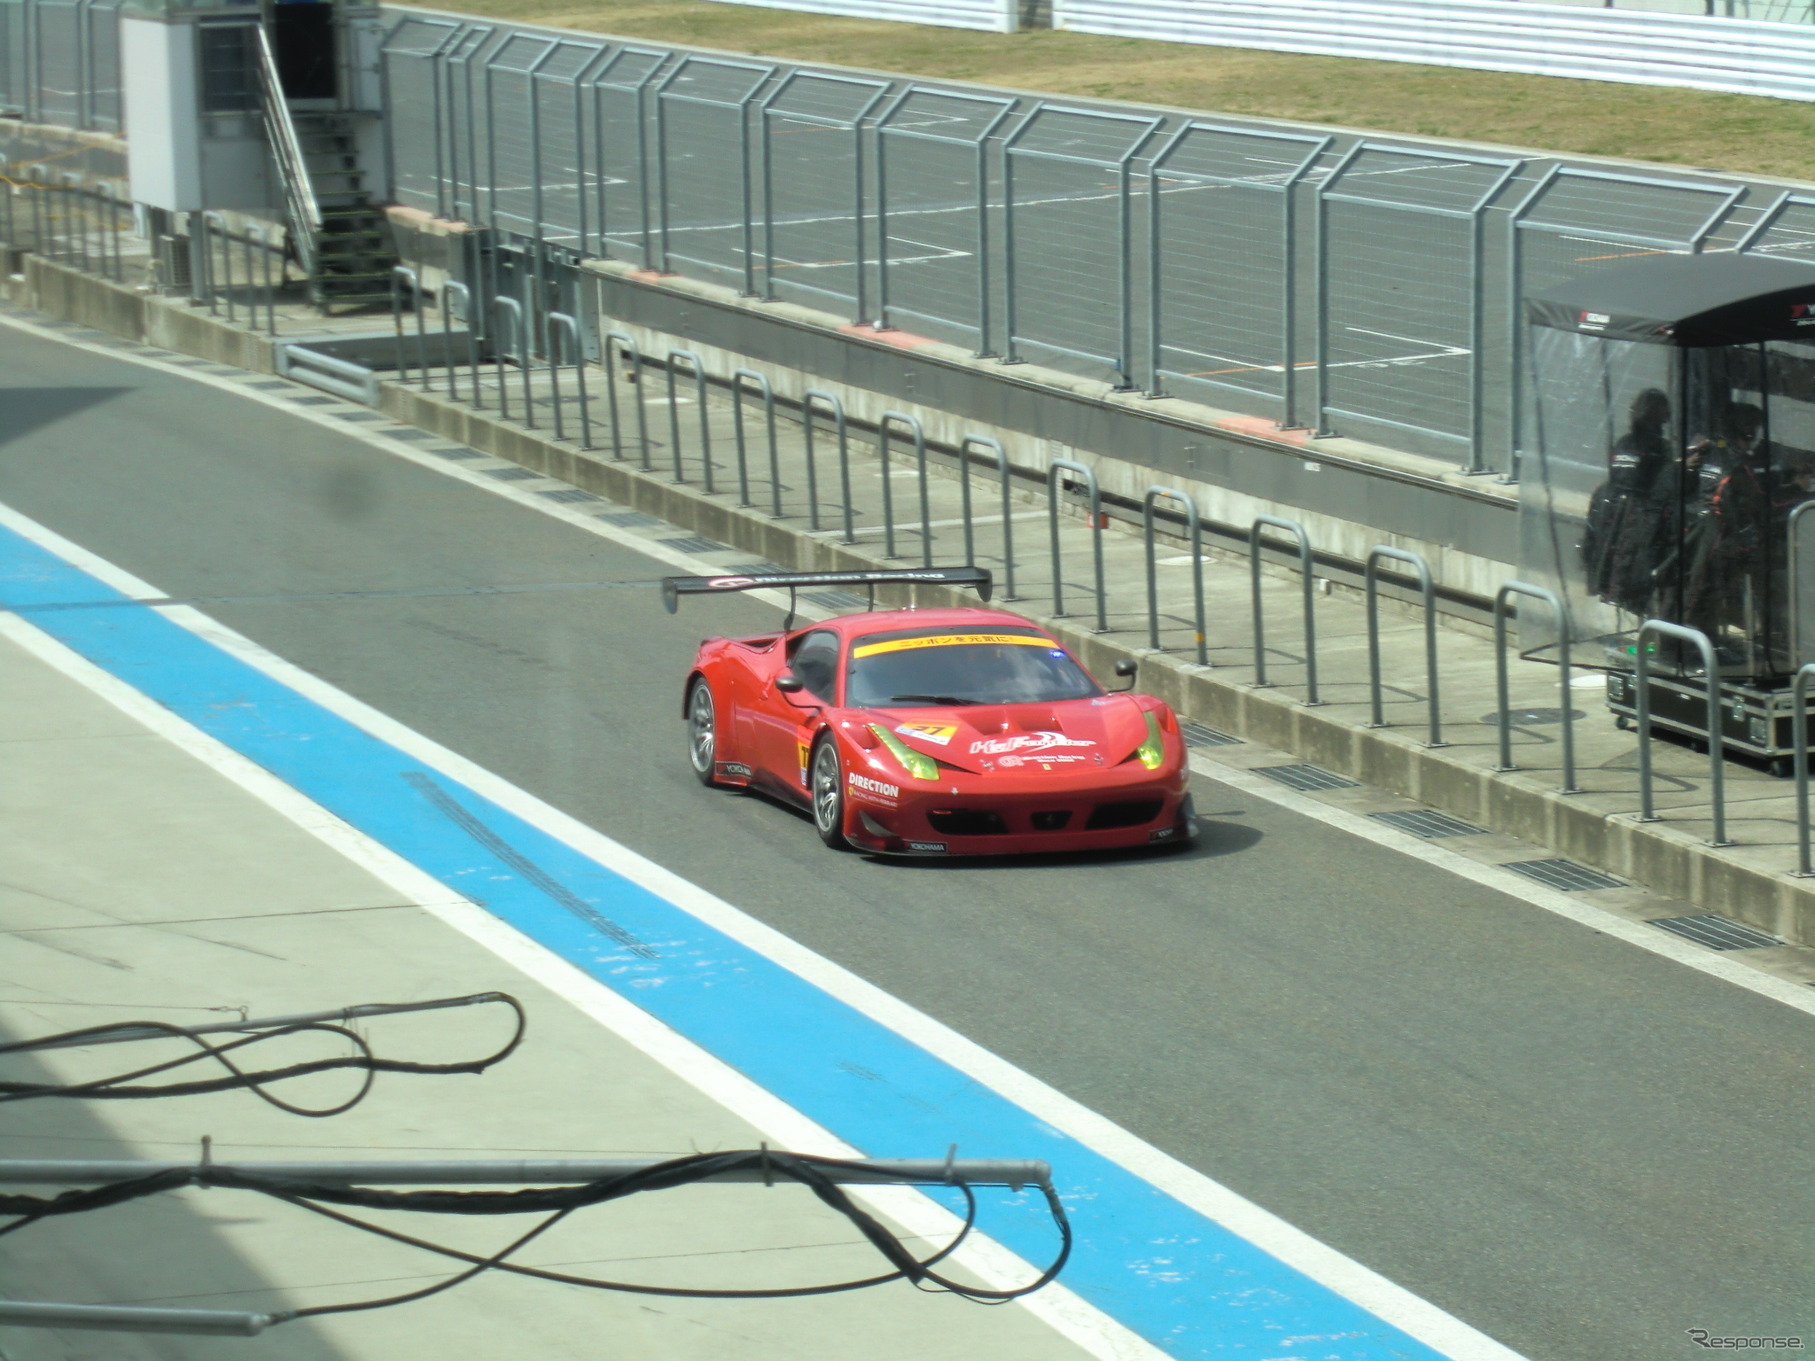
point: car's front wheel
(827, 784)
(702, 732)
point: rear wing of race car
(978, 578)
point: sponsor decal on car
(803, 751)
(730, 583)
(863, 784)
(927, 847)
(1046, 760)
(734, 770)
(1027, 743)
(948, 640)
(940, 734)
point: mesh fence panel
(1069, 202)
(815, 198)
(12, 56)
(560, 143)
(412, 81)
(104, 109)
(464, 95)
(1400, 294)
(510, 150)
(703, 174)
(59, 63)
(1222, 197)
(936, 225)
(622, 108)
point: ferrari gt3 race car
(932, 732)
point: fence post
(1501, 684)
(737, 422)
(514, 310)
(1008, 523)
(1057, 466)
(674, 418)
(611, 396)
(1429, 590)
(1799, 740)
(1197, 566)
(888, 498)
(1660, 628)
(807, 399)
(1308, 585)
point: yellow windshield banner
(948, 640)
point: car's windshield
(961, 666)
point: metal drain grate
(512, 474)
(696, 544)
(409, 432)
(571, 494)
(1427, 822)
(837, 600)
(1197, 735)
(1717, 932)
(629, 519)
(1564, 874)
(458, 451)
(359, 415)
(755, 569)
(316, 401)
(1306, 777)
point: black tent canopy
(1691, 301)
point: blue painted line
(1159, 1267)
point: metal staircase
(336, 233)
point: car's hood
(1074, 735)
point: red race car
(932, 731)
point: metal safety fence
(1350, 286)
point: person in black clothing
(1629, 516)
(1729, 514)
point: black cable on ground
(123, 1086)
(556, 1203)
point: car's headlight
(920, 767)
(1153, 751)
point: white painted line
(1671, 947)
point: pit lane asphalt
(1576, 1146)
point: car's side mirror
(1126, 669)
(790, 685)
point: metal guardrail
(1055, 480)
(884, 424)
(342, 377)
(628, 341)
(1376, 555)
(1308, 583)
(738, 378)
(1712, 52)
(1560, 616)
(571, 328)
(520, 338)
(1133, 247)
(842, 431)
(1717, 789)
(1194, 530)
(1005, 472)
(1799, 761)
(674, 417)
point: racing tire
(825, 785)
(702, 733)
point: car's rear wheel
(827, 785)
(702, 732)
